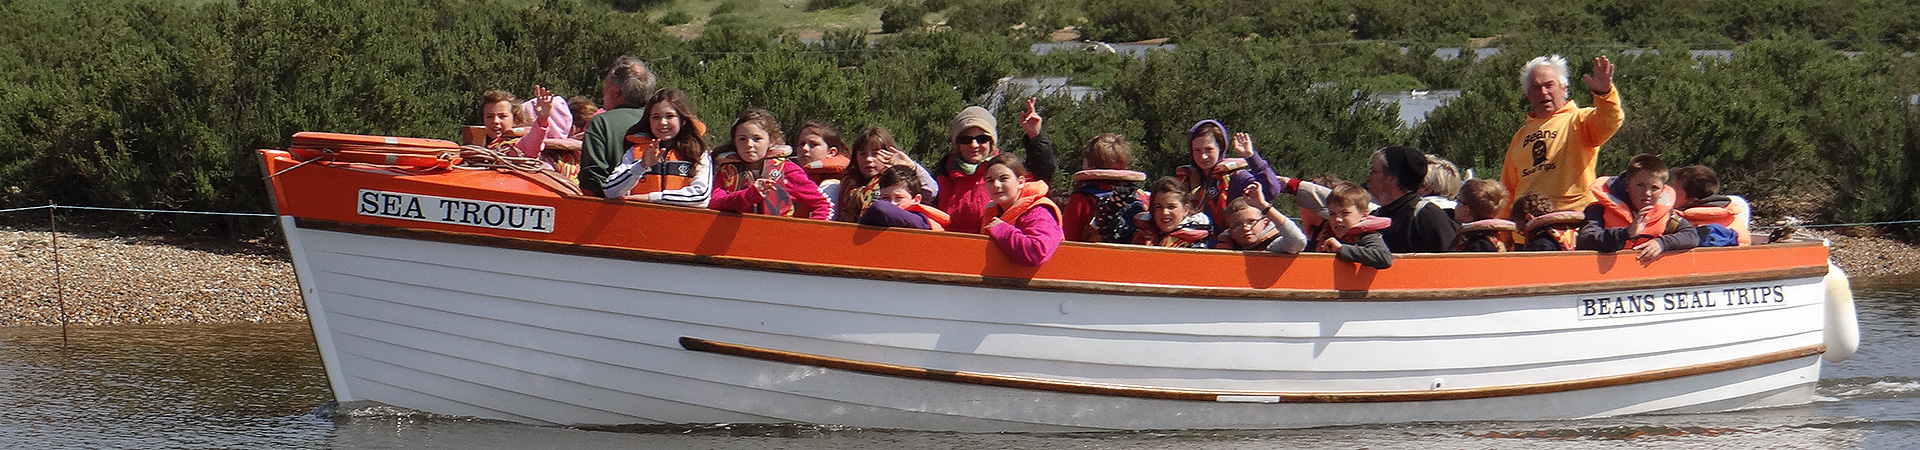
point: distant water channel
(262, 386)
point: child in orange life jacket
(1252, 223)
(1480, 200)
(1215, 180)
(1542, 228)
(755, 176)
(1104, 199)
(1021, 222)
(819, 150)
(666, 160)
(899, 204)
(1358, 234)
(1635, 210)
(1701, 203)
(1171, 219)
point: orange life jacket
(1619, 212)
(1211, 188)
(1562, 226)
(1497, 230)
(1032, 194)
(1726, 216)
(937, 220)
(1108, 175)
(1192, 232)
(732, 174)
(829, 168)
(669, 174)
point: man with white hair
(1554, 152)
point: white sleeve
(1291, 240)
(926, 179)
(624, 177)
(695, 194)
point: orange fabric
(1619, 212)
(1032, 194)
(655, 182)
(936, 219)
(1726, 216)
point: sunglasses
(975, 139)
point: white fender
(1843, 330)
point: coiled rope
(477, 157)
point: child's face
(663, 121)
(1462, 214)
(899, 196)
(813, 148)
(1205, 151)
(1643, 189)
(1003, 185)
(1245, 225)
(497, 117)
(750, 142)
(1344, 218)
(973, 145)
(1169, 209)
(871, 163)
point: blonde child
(1171, 219)
(1480, 231)
(899, 203)
(1021, 222)
(1635, 210)
(1252, 223)
(673, 169)
(1543, 229)
(1357, 235)
(755, 176)
(1104, 198)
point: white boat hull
(552, 338)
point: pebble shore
(121, 280)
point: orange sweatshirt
(1555, 155)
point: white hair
(1556, 62)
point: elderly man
(1555, 150)
(1419, 226)
(976, 139)
(627, 87)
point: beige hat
(973, 116)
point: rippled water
(262, 386)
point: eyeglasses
(975, 139)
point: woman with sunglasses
(975, 140)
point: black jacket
(1417, 229)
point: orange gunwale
(324, 195)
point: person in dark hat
(1418, 227)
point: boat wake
(1867, 388)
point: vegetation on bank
(160, 103)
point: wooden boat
(507, 295)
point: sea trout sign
(457, 211)
(1662, 302)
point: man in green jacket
(628, 86)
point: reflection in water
(258, 386)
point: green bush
(902, 16)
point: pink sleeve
(531, 144)
(562, 118)
(807, 199)
(736, 201)
(1031, 240)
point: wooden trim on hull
(1118, 390)
(601, 251)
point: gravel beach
(123, 280)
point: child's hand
(651, 157)
(1030, 122)
(1330, 245)
(991, 223)
(1639, 221)
(542, 105)
(1256, 198)
(1650, 250)
(765, 186)
(890, 156)
(1243, 145)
